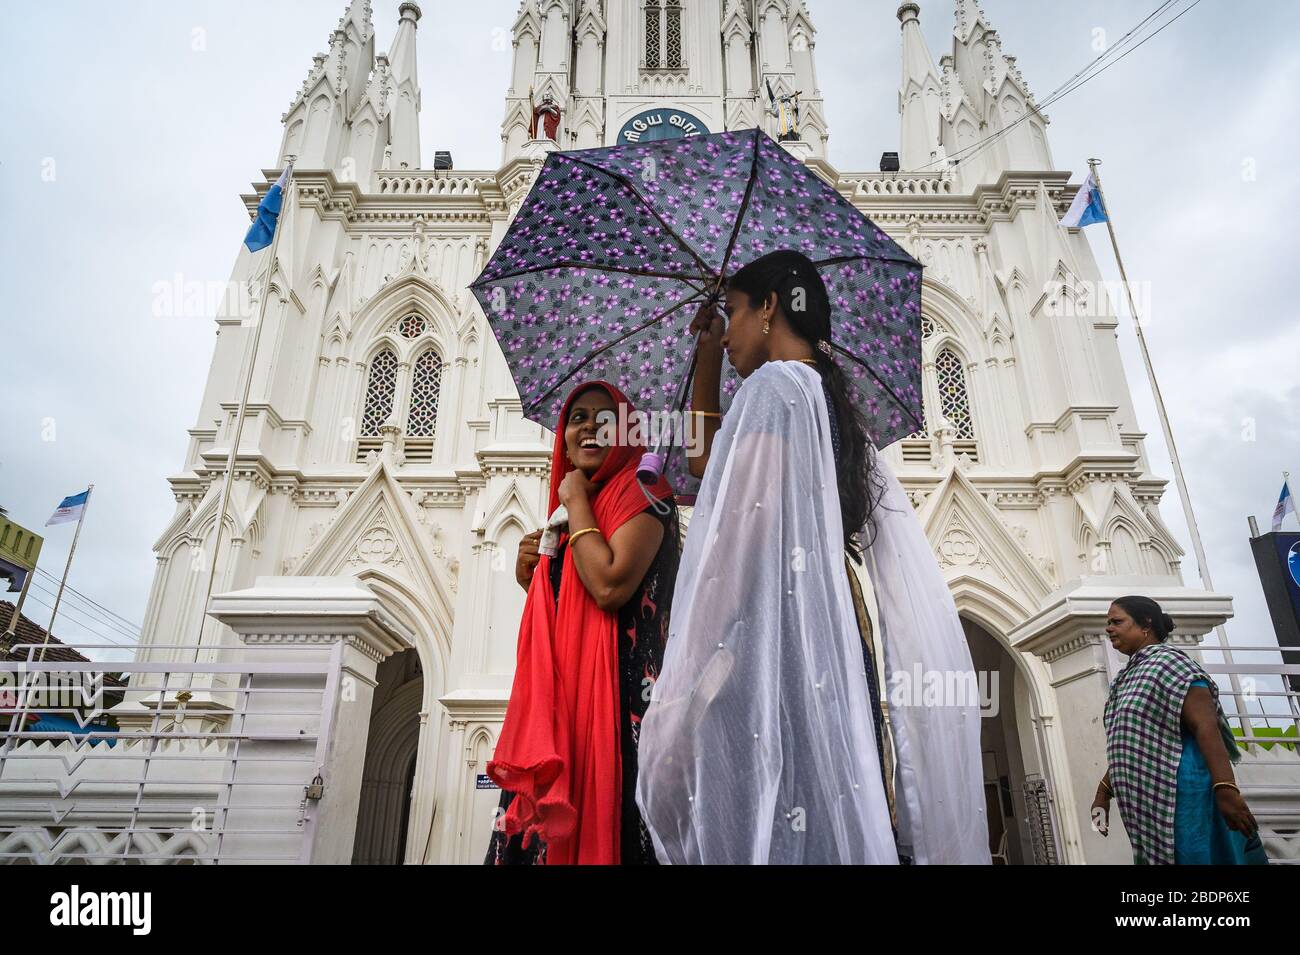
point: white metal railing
(1260, 694)
(208, 761)
(1263, 703)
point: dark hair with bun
(1147, 613)
(783, 271)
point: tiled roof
(29, 632)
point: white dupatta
(758, 745)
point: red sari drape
(559, 746)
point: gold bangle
(576, 534)
(707, 414)
(1228, 783)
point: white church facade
(386, 474)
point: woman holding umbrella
(760, 744)
(598, 274)
(590, 643)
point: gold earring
(767, 325)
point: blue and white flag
(1086, 207)
(262, 230)
(1285, 506)
(70, 509)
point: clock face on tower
(650, 125)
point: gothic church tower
(633, 70)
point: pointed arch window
(426, 377)
(653, 44)
(381, 390)
(403, 383)
(954, 402)
(663, 34)
(927, 331)
(950, 393)
(673, 34)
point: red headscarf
(559, 746)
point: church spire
(967, 16)
(992, 123)
(405, 113)
(357, 15)
(919, 96)
(355, 38)
(316, 119)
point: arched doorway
(1009, 753)
(384, 814)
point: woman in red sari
(590, 645)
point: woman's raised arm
(705, 390)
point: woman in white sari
(759, 745)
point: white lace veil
(758, 743)
(939, 773)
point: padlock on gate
(317, 788)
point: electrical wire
(1065, 88)
(78, 621)
(99, 606)
(69, 605)
(1080, 78)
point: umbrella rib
(740, 216)
(604, 348)
(841, 259)
(902, 406)
(649, 208)
(566, 263)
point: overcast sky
(133, 127)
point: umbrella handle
(652, 462)
(651, 467)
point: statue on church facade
(546, 118)
(784, 109)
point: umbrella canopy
(614, 249)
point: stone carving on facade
(415, 256)
(958, 548)
(378, 545)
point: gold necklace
(807, 361)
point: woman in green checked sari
(1170, 751)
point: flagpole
(18, 607)
(49, 631)
(1198, 548)
(280, 226)
(1295, 509)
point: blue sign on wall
(651, 125)
(1277, 558)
